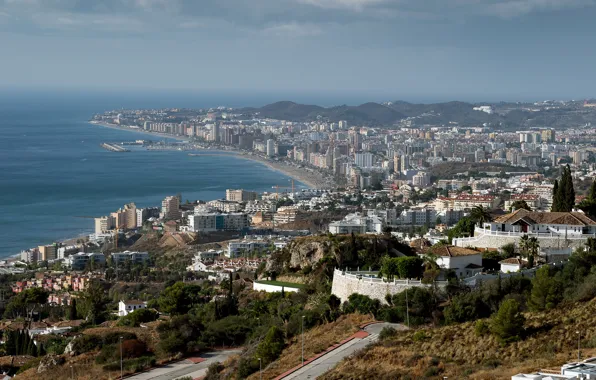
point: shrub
(246, 367)
(419, 336)
(86, 343)
(481, 328)
(213, 371)
(387, 333)
(137, 317)
(272, 346)
(114, 337)
(431, 371)
(508, 323)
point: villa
(552, 229)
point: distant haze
(416, 50)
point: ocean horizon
(55, 176)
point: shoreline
(312, 179)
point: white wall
(271, 288)
(509, 268)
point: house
(357, 224)
(127, 307)
(552, 229)
(511, 265)
(465, 262)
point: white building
(134, 257)
(211, 221)
(511, 265)
(357, 224)
(421, 180)
(253, 207)
(418, 216)
(79, 260)
(270, 147)
(127, 307)
(363, 159)
(464, 262)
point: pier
(114, 147)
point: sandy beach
(311, 178)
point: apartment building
(241, 195)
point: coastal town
(417, 227)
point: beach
(311, 178)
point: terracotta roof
(512, 260)
(420, 243)
(451, 251)
(134, 302)
(569, 218)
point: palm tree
(528, 248)
(480, 215)
(533, 246)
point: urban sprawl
(435, 210)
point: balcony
(561, 234)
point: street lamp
(121, 367)
(579, 336)
(71, 372)
(303, 340)
(260, 369)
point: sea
(54, 176)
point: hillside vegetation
(457, 351)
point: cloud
(516, 8)
(293, 29)
(298, 18)
(357, 5)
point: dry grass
(456, 352)
(315, 340)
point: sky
(386, 49)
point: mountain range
(506, 116)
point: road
(330, 360)
(185, 368)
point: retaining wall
(346, 284)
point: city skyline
(491, 49)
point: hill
(370, 113)
(457, 352)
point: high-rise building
(396, 163)
(241, 195)
(548, 135)
(422, 179)
(405, 163)
(47, 252)
(104, 224)
(170, 208)
(126, 217)
(270, 147)
(363, 159)
(343, 124)
(214, 136)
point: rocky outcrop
(309, 253)
(48, 362)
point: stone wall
(346, 284)
(497, 241)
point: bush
(86, 343)
(137, 317)
(130, 349)
(419, 336)
(431, 372)
(387, 333)
(213, 371)
(246, 367)
(508, 323)
(114, 337)
(481, 328)
(272, 346)
(362, 304)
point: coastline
(310, 178)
